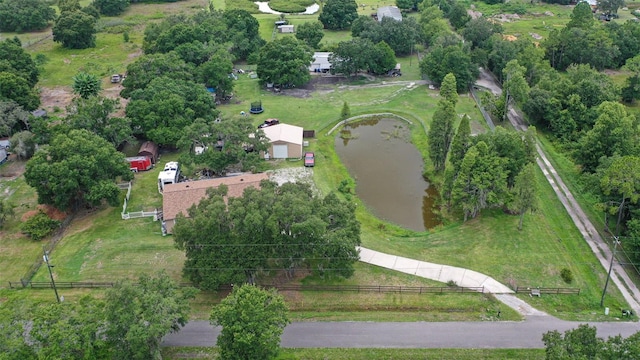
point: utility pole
(613, 256)
(49, 266)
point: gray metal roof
(389, 11)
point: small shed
(389, 11)
(285, 141)
(149, 149)
(139, 163)
(286, 29)
(320, 62)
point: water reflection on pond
(388, 172)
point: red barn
(139, 163)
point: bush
(566, 275)
(346, 186)
(39, 226)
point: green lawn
(370, 354)
(103, 247)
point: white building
(320, 62)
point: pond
(388, 169)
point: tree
(457, 15)
(525, 192)
(69, 5)
(23, 144)
(16, 88)
(481, 181)
(351, 57)
(12, 118)
(252, 322)
(149, 67)
(163, 109)
(285, 62)
(613, 133)
(364, 24)
(25, 15)
(450, 59)
(75, 30)
(631, 90)
(459, 146)
(17, 61)
(400, 35)
(216, 73)
(70, 330)
(6, 211)
(382, 59)
(231, 142)
(441, 133)
(86, 85)
(338, 14)
(610, 6)
(243, 32)
(408, 4)
(461, 143)
(94, 114)
(311, 33)
(479, 31)
(581, 16)
(433, 23)
(346, 112)
(448, 89)
(287, 227)
(622, 181)
(139, 315)
(577, 343)
(111, 7)
(515, 85)
(77, 168)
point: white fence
(136, 214)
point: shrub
(566, 275)
(346, 186)
(39, 226)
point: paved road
(597, 244)
(508, 334)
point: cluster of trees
(583, 343)
(486, 171)
(277, 227)
(18, 77)
(217, 146)
(402, 36)
(25, 15)
(338, 14)
(77, 168)
(129, 322)
(359, 54)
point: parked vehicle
(269, 122)
(309, 159)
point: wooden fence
(550, 291)
(281, 287)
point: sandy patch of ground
(300, 174)
(51, 212)
(56, 98)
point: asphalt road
(507, 334)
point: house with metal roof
(320, 62)
(285, 141)
(389, 11)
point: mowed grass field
(102, 247)
(371, 354)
